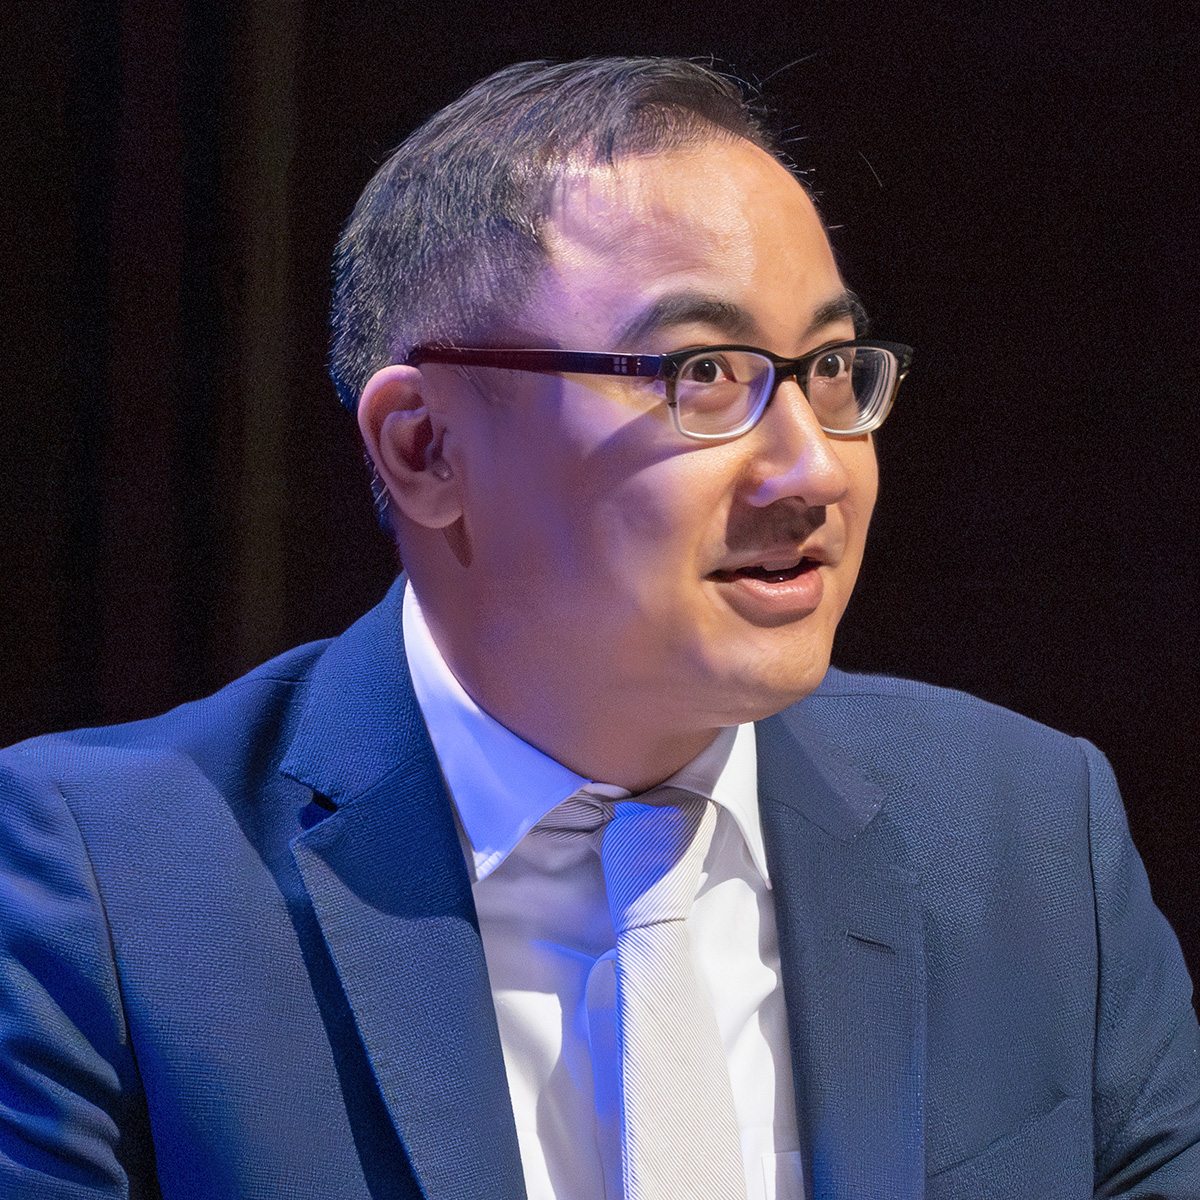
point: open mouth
(771, 574)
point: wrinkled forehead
(722, 218)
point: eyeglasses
(720, 392)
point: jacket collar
(359, 718)
(388, 885)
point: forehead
(720, 232)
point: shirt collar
(502, 786)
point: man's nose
(796, 457)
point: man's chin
(755, 695)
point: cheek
(635, 505)
(629, 562)
(864, 489)
(637, 520)
(667, 517)
(526, 487)
(589, 497)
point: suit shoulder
(239, 730)
(894, 699)
(957, 779)
(885, 720)
(843, 684)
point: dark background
(1013, 190)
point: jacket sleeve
(69, 1093)
(1147, 1066)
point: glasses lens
(847, 385)
(719, 392)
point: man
(412, 913)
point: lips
(766, 572)
(775, 590)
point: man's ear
(404, 439)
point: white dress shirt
(548, 940)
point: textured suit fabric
(239, 956)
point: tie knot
(578, 816)
(652, 852)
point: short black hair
(446, 238)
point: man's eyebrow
(845, 305)
(685, 308)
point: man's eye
(705, 369)
(831, 365)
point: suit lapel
(850, 934)
(389, 888)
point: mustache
(786, 521)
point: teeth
(772, 569)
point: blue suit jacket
(239, 955)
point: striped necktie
(680, 1139)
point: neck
(586, 719)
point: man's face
(690, 584)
